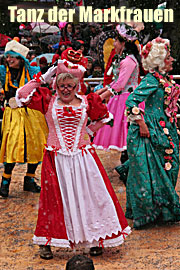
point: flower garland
(147, 48)
(168, 151)
(134, 110)
(170, 111)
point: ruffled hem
(111, 147)
(156, 212)
(68, 244)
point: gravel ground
(157, 247)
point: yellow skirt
(24, 134)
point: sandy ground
(155, 248)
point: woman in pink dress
(78, 206)
(125, 69)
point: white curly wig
(154, 54)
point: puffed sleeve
(127, 67)
(97, 112)
(33, 96)
(148, 85)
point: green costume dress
(154, 161)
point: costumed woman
(153, 144)
(125, 70)
(24, 130)
(78, 206)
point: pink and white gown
(126, 77)
(78, 205)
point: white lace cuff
(21, 101)
(113, 92)
(133, 117)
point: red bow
(83, 149)
(72, 67)
(37, 76)
(101, 243)
(68, 111)
(48, 240)
(123, 234)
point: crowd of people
(52, 116)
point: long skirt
(24, 134)
(150, 189)
(78, 205)
(114, 137)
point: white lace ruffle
(111, 91)
(66, 244)
(53, 242)
(132, 118)
(83, 69)
(21, 101)
(106, 120)
(110, 147)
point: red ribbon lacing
(48, 240)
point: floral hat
(127, 32)
(124, 30)
(165, 44)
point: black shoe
(124, 157)
(45, 252)
(122, 170)
(96, 251)
(4, 190)
(30, 185)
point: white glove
(48, 76)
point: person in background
(24, 130)
(78, 32)
(67, 34)
(152, 141)
(43, 64)
(95, 32)
(78, 45)
(88, 71)
(125, 71)
(1, 110)
(57, 55)
(97, 72)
